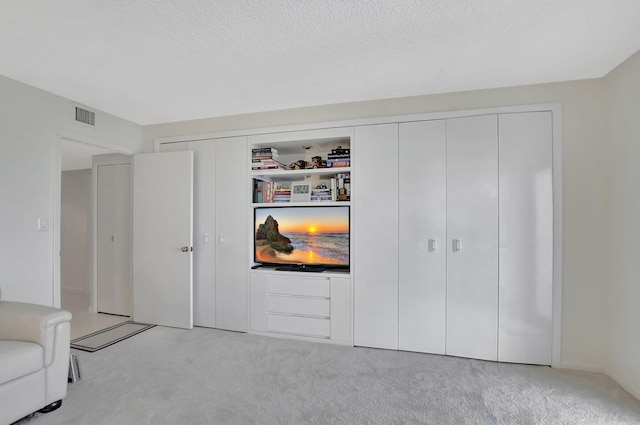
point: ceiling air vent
(86, 117)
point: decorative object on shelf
(300, 192)
(321, 193)
(300, 164)
(316, 162)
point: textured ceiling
(153, 61)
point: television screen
(302, 235)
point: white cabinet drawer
(315, 287)
(295, 305)
(303, 326)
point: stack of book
(281, 192)
(321, 195)
(339, 158)
(343, 186)
(268, 192)
(265, 159)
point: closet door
(105, 237)
(375, 195)
(526, 238)
(231, 234)
(204, 228)
(114, 239)
(422, 232)
(472, 235)
(219, 231)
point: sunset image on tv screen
(302, 235)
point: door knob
(186, 249)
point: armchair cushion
(19, 359)
(31, 323)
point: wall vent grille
(86, 117)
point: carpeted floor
(205, 376)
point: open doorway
(81, 221)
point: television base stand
(301, 268)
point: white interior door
(162, 238)
(422, 231)
(472, 235)
(526, 238)
(114, 239)
(376, 262)
(231, 234)
(104, 240)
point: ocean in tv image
(302, 235)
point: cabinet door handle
(457, 246)
(433, 245)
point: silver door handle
(456, 245)
(433, 245)
(186, 249)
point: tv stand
(301, 268)
(308, 306)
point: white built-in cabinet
(113, 239)
(219, 231)
(291, 304)
(454, 236)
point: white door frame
(59, 137)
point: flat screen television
(302, 238)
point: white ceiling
(154, 61)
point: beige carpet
(204, 376)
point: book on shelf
(338, 162)
(267, 192)
(264, 151)
(267, 164)
(343, 186)
(264, 157)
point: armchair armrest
(32, 323)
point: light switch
(43, 224)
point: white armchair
(34, 359)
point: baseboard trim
(631, 389)
(583, 367)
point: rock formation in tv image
(268, 234)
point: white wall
(586, 206)
(75, 221)
(623, 111)
(31, 124)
